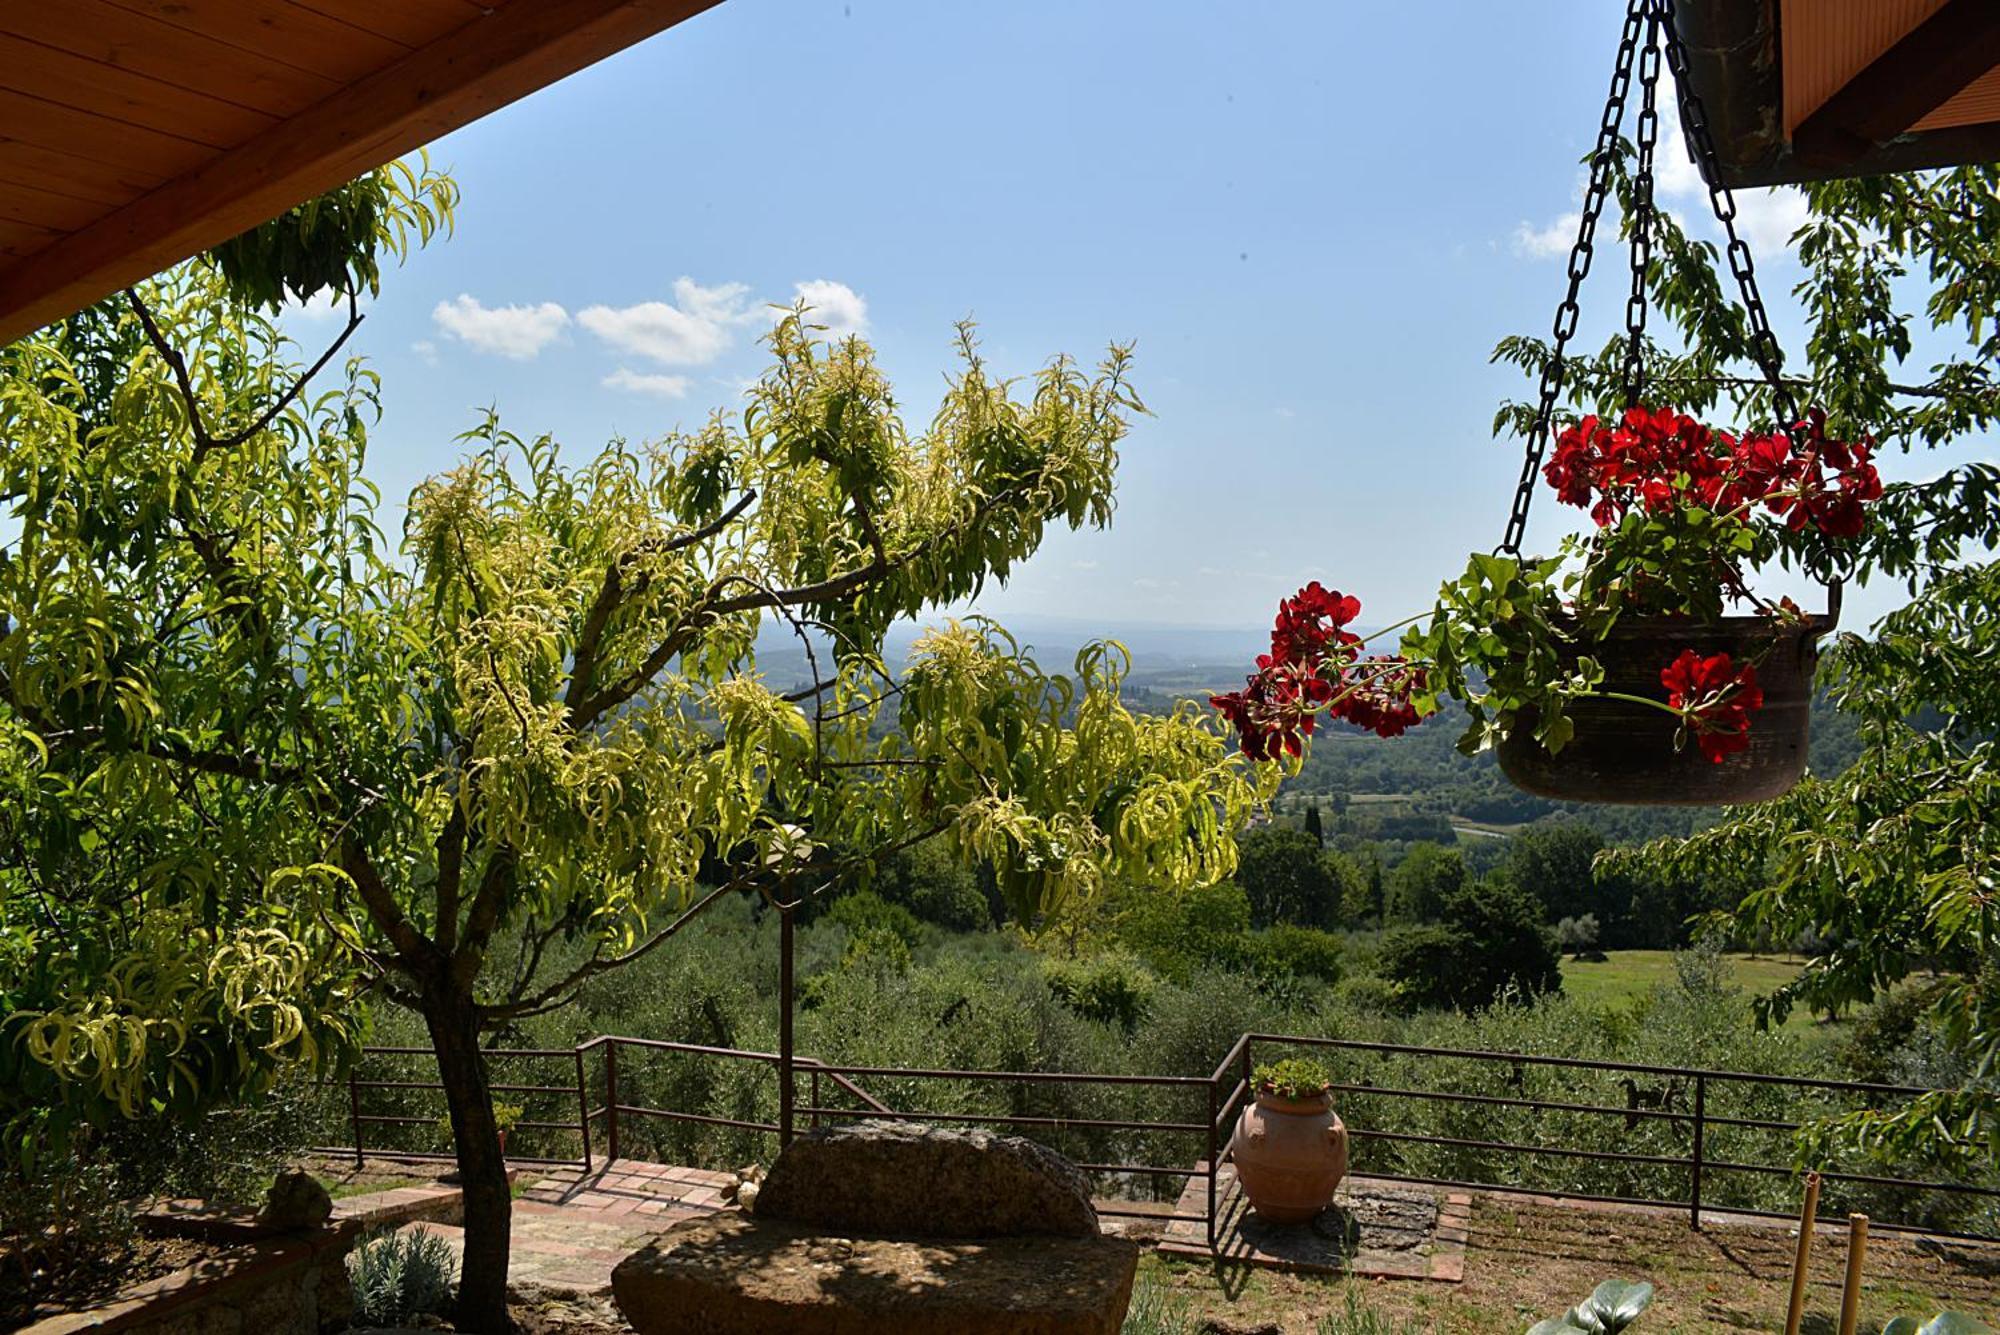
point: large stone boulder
(732, 1274)
(904, 1179)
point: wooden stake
(1857, 1252)
(1807, 1214)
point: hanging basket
(1626, 753)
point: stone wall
(294, 1285)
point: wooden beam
(494, 59)
(1927, 67)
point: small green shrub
(398, 1277)
(866, 911)
(1611, 1307)
(1294, 1078)
(1113, 988)
(59, 1218)
(1288, 951)
(1369, 994)
(1156, 1309)
(1355, 1319)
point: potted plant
(1612, 671)
(1289, 1146)
(505, 1116)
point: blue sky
(1314, 219)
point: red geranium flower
(1378, 695)
(1311, 670)
(1659, 458)
(1309, 625)
(1276, 710)
(1716, 697)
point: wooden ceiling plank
(102, 33)
(114, 143)
(61, 76)
(484, 66)
(1926, 68)
(52, 169)
(414, 23)
(19, 240)
(276, 30)
(20, 202)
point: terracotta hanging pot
(1290, 1156)
(1626, 752)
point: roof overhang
(135, 133)
(1802, 90)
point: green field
(1625, 975)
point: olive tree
(540, 716)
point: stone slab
(1374, 1229)
(733, 1274)
(906, 1179)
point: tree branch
(410, 944)
(204, 440)
(583, 669)
(706, 610)
(450, 874)
(488, 902)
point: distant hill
(1417, 786)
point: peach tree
(263, 761)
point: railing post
(583, 1109)
(814, 1115)
(1214, 1113)
(785, 1025)
(354, 1111)
(611, 1100)
(1700, 1149)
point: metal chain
(1633, 376)
(1554, 370)
(1694, 120)
(1655, 18)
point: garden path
(571, 1226)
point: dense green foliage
(260, 760)
(1891, 863)
(990, 1001)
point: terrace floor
(1505, 1259)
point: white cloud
(325, 308)
(643, 382)
(836, 305)
(516, 332)
(1549, 241)
(693, 332)
(427, 351)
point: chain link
(1633, 375)
(1655, 20)
(1694, 120)
(1556, 367)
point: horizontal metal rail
(1225, 1093)
(1007, 1119)
(1592, 1064)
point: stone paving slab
(1374, 1229)
(571, 1227)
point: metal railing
(1683, 1104)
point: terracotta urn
(1290, 1155)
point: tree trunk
(482, 1169)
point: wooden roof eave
(1734, 63)
(493, 60)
